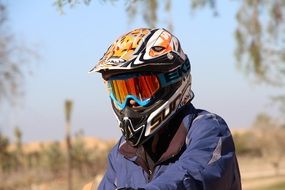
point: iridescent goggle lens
(140, 88)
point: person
(166, 143)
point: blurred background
(56, 121)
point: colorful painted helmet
(149, 67)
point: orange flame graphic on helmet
(124, 47)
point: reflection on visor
(139, 88)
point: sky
(70, 44)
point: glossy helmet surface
(148, 51)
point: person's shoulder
(206, 120)
(206, 116)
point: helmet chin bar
(131, 123)
(134, 122)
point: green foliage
(9, 161)
(99, 158)
(80, 155)
(245, 145)
(280, 100)
(33, 159)
(61, 3)
(53, 158)
(265, 139)
(200, 4)
(260, 39)
(4, 143)
(47, 163)
(279, 186)
(269, 136)
(148, 10)
(13, 59)
(4, 154)
(88, 161)
(9, 70)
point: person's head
(148, 79)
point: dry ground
(258, 174)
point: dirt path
(257, 174)
(263, 182)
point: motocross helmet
(149, 67)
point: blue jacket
(208, 161)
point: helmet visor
(140, 88)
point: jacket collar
(174, 147)
(137, 154)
